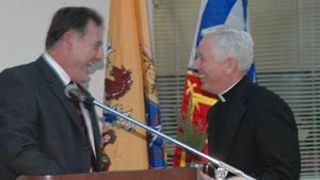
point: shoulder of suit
(23, 68)
(25, 72)
(262, 95)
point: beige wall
(23, 27)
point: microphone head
(68, 89)
(73, 92)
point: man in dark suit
(250, 127)
(41, 130)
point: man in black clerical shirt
(250, 128)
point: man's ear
(231, 65)
(68, 39)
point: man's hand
(203, 176)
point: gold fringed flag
(130, 88)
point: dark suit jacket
(255, 131)
(40, 132)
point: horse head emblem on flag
(121, 83)
(120, 80)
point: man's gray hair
(231, 43)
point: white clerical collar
(220, 96)
(57, 68)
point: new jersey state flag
(211, 13)
(130, 89)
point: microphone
(73, 92)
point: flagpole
(223, 167)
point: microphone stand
(223, 168)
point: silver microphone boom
(76, 94)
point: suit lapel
(57, 87)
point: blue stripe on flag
(215, 13)
(252, 73)
(245, 13)
(155, 148)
